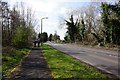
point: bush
(20, 39)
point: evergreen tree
(50, 37)
(72, 29)
(111, 22)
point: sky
(55, 10)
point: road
(104, 60)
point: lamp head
(46, 17)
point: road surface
(104, 60)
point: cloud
(43, 6)
(53, 9)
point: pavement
(104, 60)
(34, 66)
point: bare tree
(12, 19)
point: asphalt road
(105, 60)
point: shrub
(20, 39)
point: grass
(109, 46)
(64, 66)
(11, 60)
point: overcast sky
(55, 10)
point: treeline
(43, 37)
(95, 25)
(17, 25)
(54, 37)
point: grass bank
(113, 47)
(11, 60)
(64, 66)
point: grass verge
(64, 66)
(12, 60)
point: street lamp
(41, 27)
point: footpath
(34, 66)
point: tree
(72, 29)
(43, 36)
(12, 20)
(20, 39)
(50, 37)
(67, 38)
(115, 22)
(98, 24)
(5, 20)
(56, 37)
(39, 35)
(111, 22)
(105, 21)
(82, 29)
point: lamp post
(41, 28)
